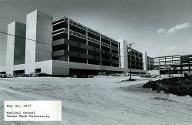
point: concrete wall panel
(45, 66)
(123, 54)
(10, 48)
(15, 45)
(39, 34)
(30, 47)
(19, 52)
(44, 37)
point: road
(102, 100)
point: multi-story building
(65, 47)
(135, 59)
(173, 64)
(150, 63)
(167, 63)
(131, 58)
(186, 63)
(74, 42)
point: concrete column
(68, 28)
(15, 45)
(68, 36)
(119, 55)
(100, 52)
(111, 53)
(39, 39)
(10, 48)
(123, 54)
(87, 44)
(145, 61)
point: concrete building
(150, 63)
(135, 59)
(38, 39)
(66, 47)
(167, 63)
(173, 64)
(74, 42)
(131, 58)
(186, 63)
(15, 46)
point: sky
(159, 27)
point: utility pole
(130, 50)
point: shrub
(178, 85)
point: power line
(5, 33)
(24, 38)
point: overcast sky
(160, 27)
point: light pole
(130, 50)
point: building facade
(173, 64)
(131, 58)
(150, 63)
(135, 59)
(168, 64)
(74, 42)
(186, 63)
(65, 47)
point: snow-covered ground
(103, 100)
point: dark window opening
(2, 72)
(105, 41)
(115, 64)
(96, 62)
(106, 63)
(60, 25)
(94, 44)
(77, 49)
(93, 36)
(74, 38)
(76, 59)
(115, 58)
(38, 70)
(114, 51)
(106, 56)
(114, 44)
(105, 48)
(60, 47)
(18, 72)
(92, 53)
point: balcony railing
(76, 24)
(93, 40)
(63, 20)
(79, 35)
(59, 31)
(105, 44)
(93, 32)
(115, 55)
